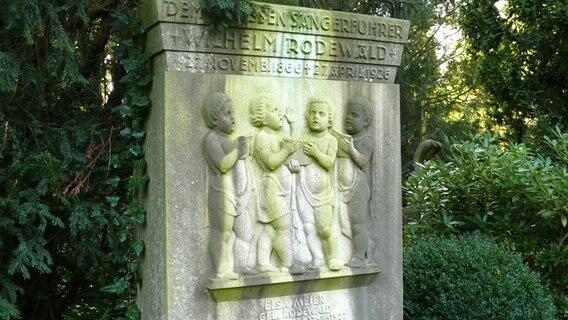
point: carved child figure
(315, 199)
(353, 183)
(230, 228)
(271, 150)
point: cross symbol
(175, 37)
(392, 54)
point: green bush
(470, 277)
(514, 192)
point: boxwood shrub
(471, 277)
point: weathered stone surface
(269, 198)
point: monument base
(275, 285)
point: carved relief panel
(290, 192)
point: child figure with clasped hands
(316, 198)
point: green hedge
(471, 277)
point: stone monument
(274, 156)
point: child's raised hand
(290, 115)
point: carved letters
(199, 39)
(230, 64)
(277, 18)
(269, 189)
(314, 306)
(281, 41)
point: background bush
(470, 277)
(511, 191)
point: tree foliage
(71, 94)
(222, 13)
(520, 59)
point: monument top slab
(290, 19)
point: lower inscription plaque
(306, 307)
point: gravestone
(274, 156)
